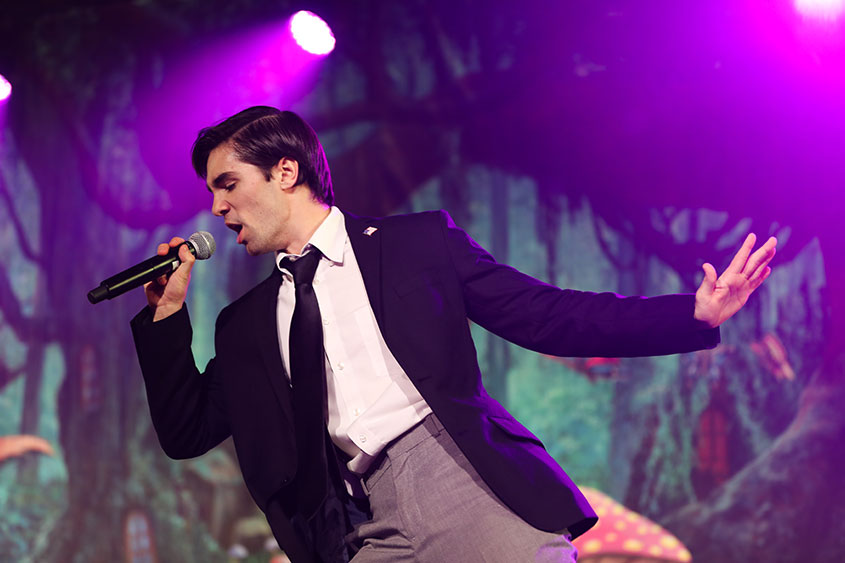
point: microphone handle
(138, 275)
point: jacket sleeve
(186, 406)
(565, 322)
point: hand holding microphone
(166, 283)
(166, 293)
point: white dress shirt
(371, 400)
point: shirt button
(341, 365)
(316, 282)
(356, 412)
(362, 438)
(325, 321)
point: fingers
(164, 248)
(757, 264)
(752, 266)
(741, 257)
(758, 281)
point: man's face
(251, 205)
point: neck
(310, 217)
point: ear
(286, 171)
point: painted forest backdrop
(601, 145)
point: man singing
(348, 379)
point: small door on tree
(713, 464)
(138, 536)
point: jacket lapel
(365, 236)
(267, 335)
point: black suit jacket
(424, 277)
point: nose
(219, 206)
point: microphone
(201, 244)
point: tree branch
(614, 259)
(12, 313)
(8, 375)
(25, 247)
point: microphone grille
(204, 244)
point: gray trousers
(430, 505)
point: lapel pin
(369, 231)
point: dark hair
(262, 136)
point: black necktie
(308, 379)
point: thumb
(183, 271)
(186, 257)
(708, 284)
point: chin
(254, 250)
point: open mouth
(237, 228)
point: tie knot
(303, 269)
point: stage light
(5, 89)
(311, 33)
(821, 9)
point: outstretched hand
(718, 298)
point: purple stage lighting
(821, 9)
(311, 33)
(5, 89)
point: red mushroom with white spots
(623, 536)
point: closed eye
(225, 181)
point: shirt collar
(329, 238)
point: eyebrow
(221, 180)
